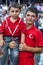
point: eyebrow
(31, 15)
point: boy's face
(14, 12)
(3, 12)
(41, 15)
(30, 17)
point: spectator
(40, 21)
(4, 14)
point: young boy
(11, 31)
(33, 41)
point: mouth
(29, 22)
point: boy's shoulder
(8, 17)
(22, 22)
(36, 31)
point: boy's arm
(24, 47)
(23, 32)
(1, 36)
(22, 38)
(1, 40)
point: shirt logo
(30, 36)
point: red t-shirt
(33, 39)
(20, 27)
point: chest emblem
(30, 36)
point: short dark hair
(32, 9)
(15, 5)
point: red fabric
(24, 59)
(20, 29)
(33, 39)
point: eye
(17, 11)
(33, 16)
(12, 11)
(28, 15)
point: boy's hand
(12, 44)
(2, 43)
(22, 47)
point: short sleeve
(2, 27)
(39, 39)
(22, 27)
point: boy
(33, 41)
(11, 30)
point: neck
(12, 19)
(28, 26)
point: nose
(14, 13)
(30, 17)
